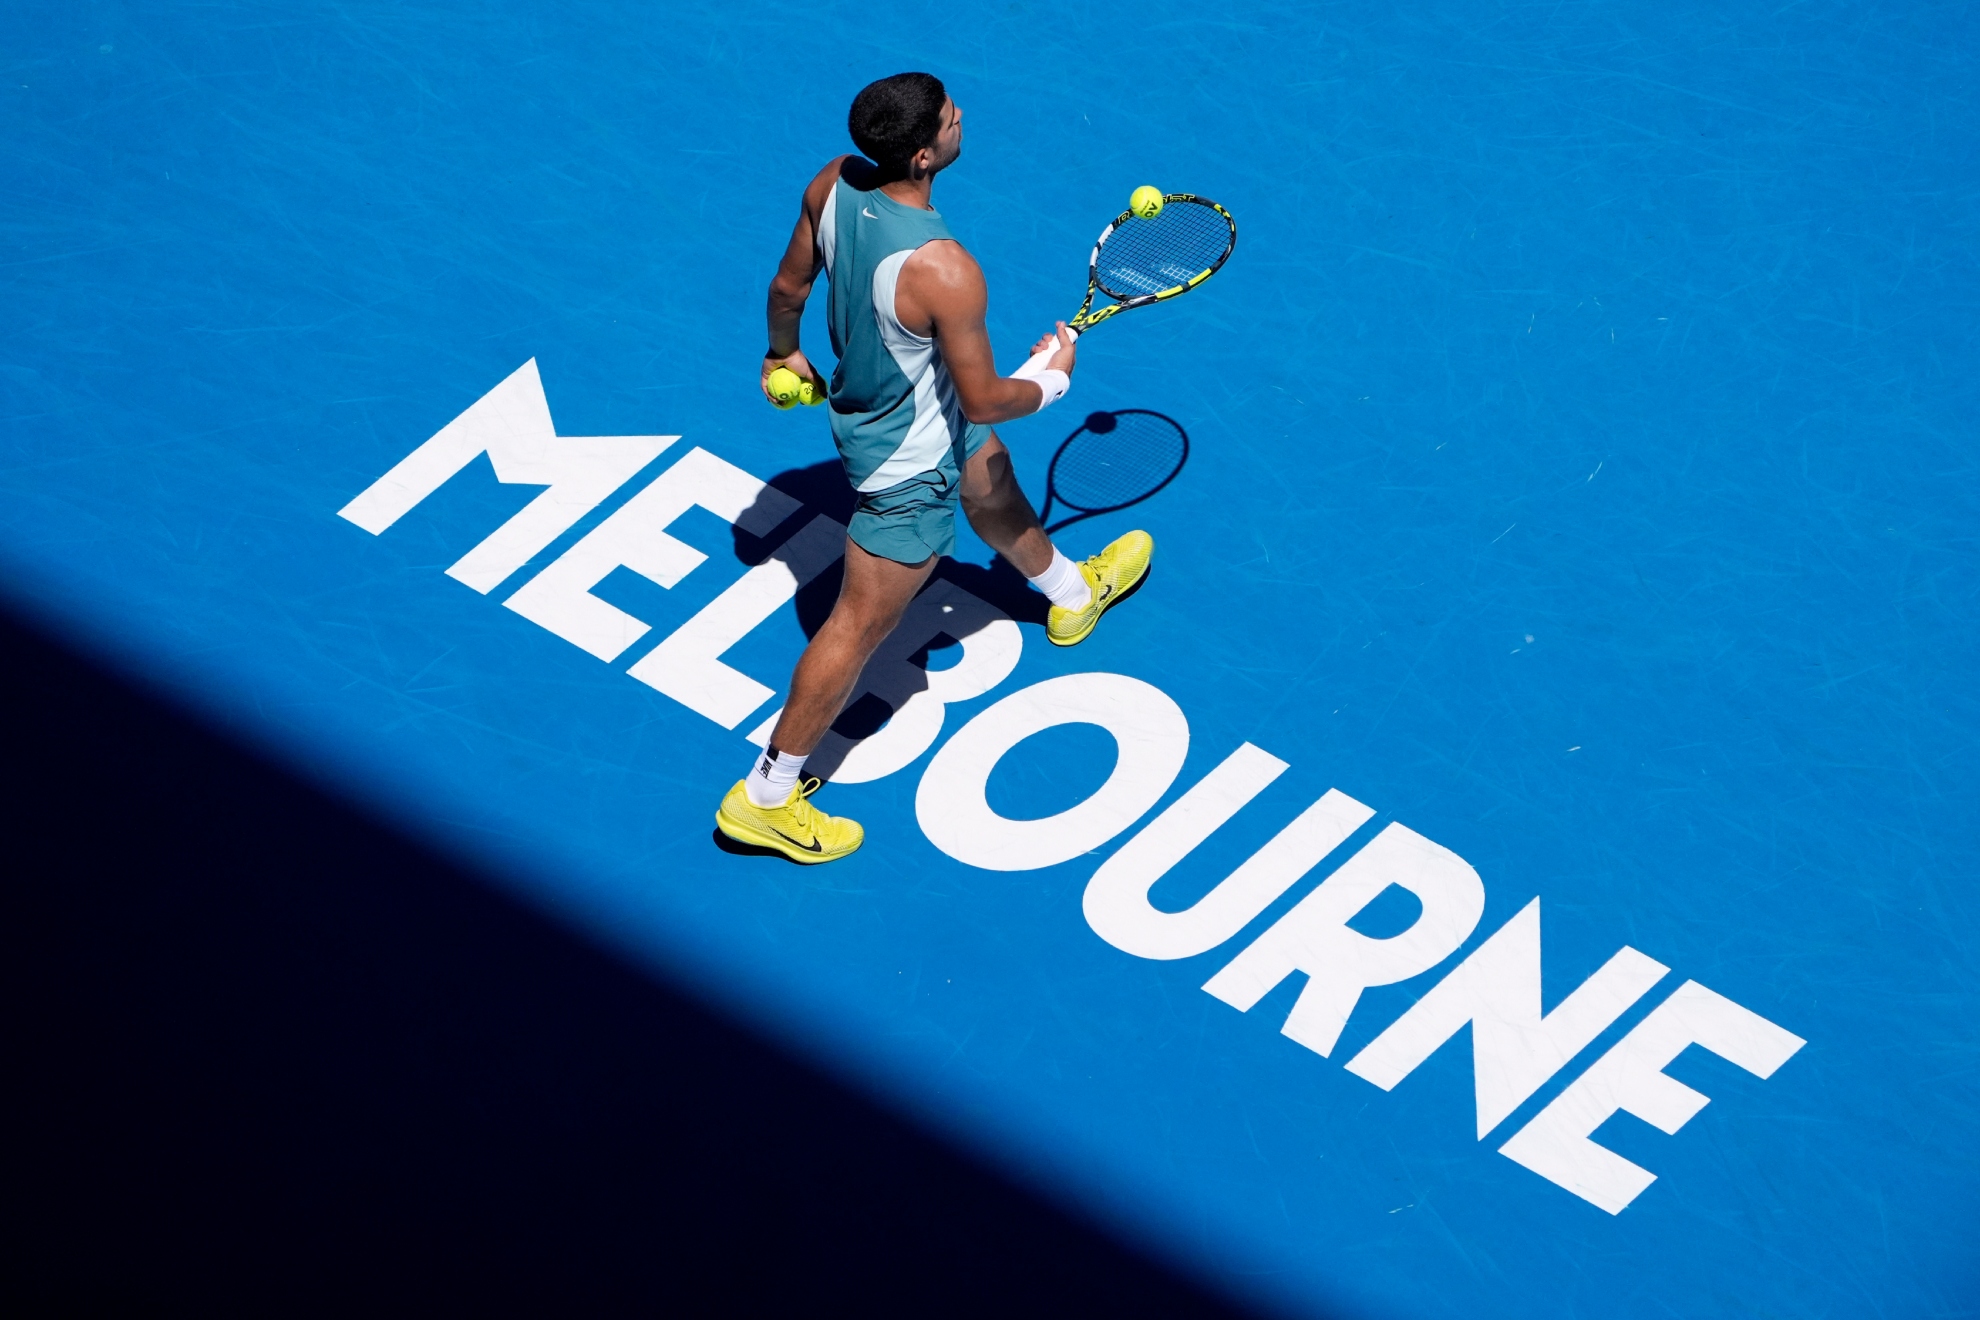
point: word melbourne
(1495, 989)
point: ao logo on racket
(1495, 988)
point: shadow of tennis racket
(1113, 461)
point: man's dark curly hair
(896, 117)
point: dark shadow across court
(266, 1055)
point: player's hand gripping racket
(1113, 460)
(1141, 259)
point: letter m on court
(511, 424)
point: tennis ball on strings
(808, 394)
(1146, 202)
(784, 385)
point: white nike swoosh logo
(868, 214)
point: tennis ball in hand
(1146, 202)
(808, 394)
(784, 385)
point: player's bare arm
(942, 293)
(790, 287)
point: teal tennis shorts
(909, 522)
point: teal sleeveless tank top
(893, 406)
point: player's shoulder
(856, 172)
(948, 256)
(946, 264)
(821, 183)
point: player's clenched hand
(798, 363)
(1067, 351)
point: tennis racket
(1113, 460)
(1138, 261)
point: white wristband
(1039, 373)
(1055, 383)
(1037, 361)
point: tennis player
(913, 399)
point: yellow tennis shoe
(797, 829)
(1112, 574)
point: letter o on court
(1151, 737)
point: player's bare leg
(1080, 592)
(875, 594)
(999, 512)
(770, 808)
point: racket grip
(1037, 362)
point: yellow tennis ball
(1146, 202)
(808, 394)
(784, 386)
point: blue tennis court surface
(1568, 603)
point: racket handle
(1037, 362)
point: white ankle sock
(1063, 584)
(771, 779)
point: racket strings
(1097, 470)
(1147, 256)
